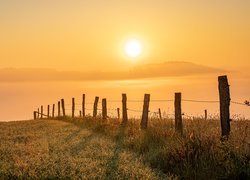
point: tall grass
(93, 148)
(197, 154)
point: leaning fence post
(73, 107)
(95, 106)
(41, 112)
(224, 92)
(83, 105)
(159, 111)
(34, 114)
(104, 109)
(59, 108)
(118, 113)
(178, 115)
(63, 107)
(144, 120)
(53, 111)
(205, 114)
(48, 111)
(124, 109)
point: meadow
(90, 148)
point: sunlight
(133, 48)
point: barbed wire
(135, 101)
(159, 100)
(199, 101)
(246, 103)
(162, 100)
(134, 110)
(114, 100)
(239, 103)
(112, 109)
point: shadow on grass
(75, 150)
(73, 135)
(113, 162)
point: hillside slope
(50, 149)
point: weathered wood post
(83, 105)
(144, 120)
(59, 108)
(159, 111)
(34, 114)
(118, 113)
(63, 107)
(80, 113)
(38, 113)
(41, 112)
(53, 111)
(73, 107)
(104, 109)
(224, 92)
(178, 114)
(95, 106)
(205, 114)
(48, 111)
(124, 109)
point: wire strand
(238, 103)
(199, 101)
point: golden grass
(56, 149)
(96, 149)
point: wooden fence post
(224, 92)
(124, 109)
(63, 107)
(178, 114)
(48, 111)
(144, 120)
(53, 111)
(38, 113)
(104, 109)
(95, 106)
(34, 114)
(59, 108)
(83, 105)
(41, 112)
(118, 113)
(80, 113)
(159, 111)
(73, 107)
(205, 114)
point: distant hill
(166, 69)
(172, 68)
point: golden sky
(90, 34)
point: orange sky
(90, 34)
(70, 40)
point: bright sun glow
(133, 48)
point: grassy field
(93, 149)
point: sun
(133, 48)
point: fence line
(145, 111)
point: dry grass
(56, 149)
(93, 149)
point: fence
(224, 101)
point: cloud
(167, 69)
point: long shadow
(72, 135)
(81, 145)
(112, 164)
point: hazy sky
(90, 34)
(58, 40)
